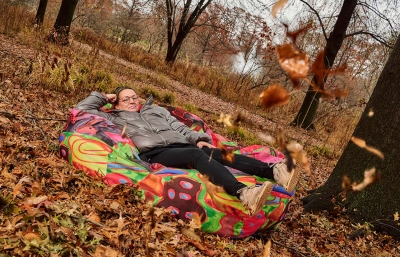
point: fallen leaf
(35, 200)
(267, 249)
(94, 217)
(274, 95)
(191, 234)
(32, 236)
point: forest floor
(48, 208)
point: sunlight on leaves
(274, 95)
(361, 143)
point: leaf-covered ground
(49, 208)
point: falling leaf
(370, 177)
(274, 95)
(346, 183)
(225, 119)
(396, 216)
(196, 218)
(297, 152)
(294, 34)
(239, 118)
(267, 249)
(267, 138)
(290, 162)
(320, 73)
(277, 6)
(293, 61)
(280, 139)
(361, 143)
(227, 155)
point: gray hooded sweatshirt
(151, 127)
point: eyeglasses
(126, 98)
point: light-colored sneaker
(285, 178)
(254, 198)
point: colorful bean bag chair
(95, 145)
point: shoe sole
(293, 180)
(262, 197)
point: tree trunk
(378, 203)
(63, 22)
(187, 21)
(308, 109)
(40, 12)
(173, 50)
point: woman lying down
(161, 138)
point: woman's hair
(118, 90)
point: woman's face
(128, 100)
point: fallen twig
(13, 116)
(291, 248)
(201, 246)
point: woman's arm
(94, 102)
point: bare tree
(182, 15)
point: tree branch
(377, 38)
(319, 18)
(380, 15)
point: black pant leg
(243, 163)
(196, 158)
